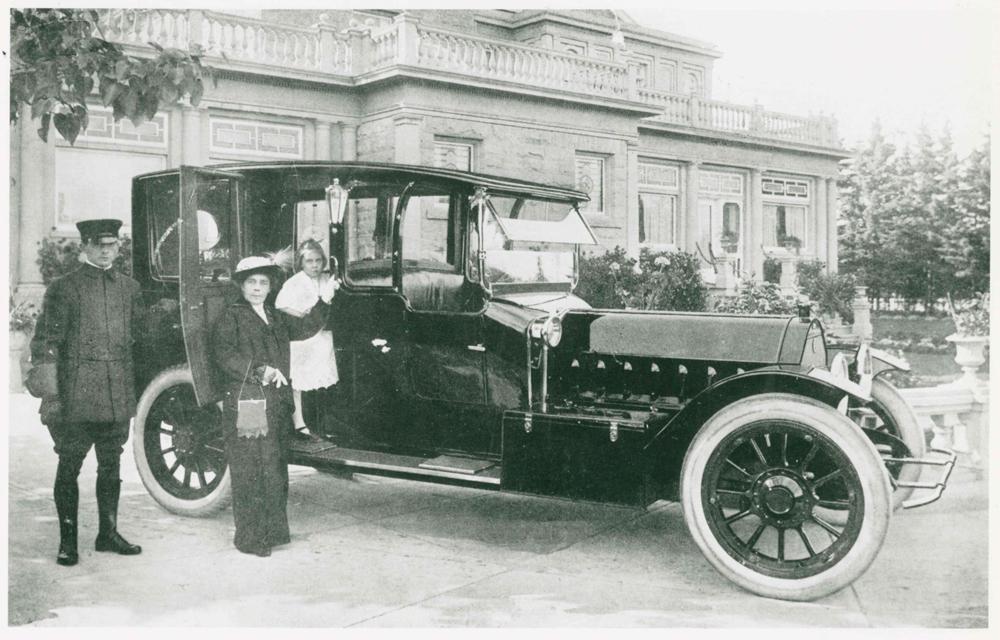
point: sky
(903, 63)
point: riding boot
(108, 538)
(67, 498)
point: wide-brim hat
(256, 264)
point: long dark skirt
(260, 489)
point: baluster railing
(485, 57)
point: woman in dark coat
(250, 350)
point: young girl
(307, 296)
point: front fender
(667, 448)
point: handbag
(251, 416)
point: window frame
(806, 203)
(601, 202)
(673, 192)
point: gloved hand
(273, 375)
(328, 289)
(50, 411)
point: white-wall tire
(173, 389)
(803, 424)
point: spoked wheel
(179, 448)
(756, 485)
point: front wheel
(179, 448)
(757, 481)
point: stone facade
(575, 98)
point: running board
(467, 470)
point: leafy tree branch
(59, 56)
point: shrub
(22, 316)
(56, 258)
(757, 298)
(657, 281)
(831, 293)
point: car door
(445, 325)
(369, 325)
(210, 247)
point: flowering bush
(57, 258)
(22, 316)
(757, 298)
(972, 317)
(660, 281)
(829, 294)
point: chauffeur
(82, 353)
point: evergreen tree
(967, 239)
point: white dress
(314, 364)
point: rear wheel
(756, 482)
(178, 447)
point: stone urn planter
(970, 354)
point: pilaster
(754, 234)
(407, 139)
(14, 216)
(820, 225)
(691, 226)
(37, 186)
(191, 153)
(348, 142)
(832, 193)
(632, 210)
(323, 150)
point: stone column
(407, 139)
(323, 140)
(691, 225)
(755, 233)
(831, 228)
(348, 142)
(191, 152)
(632, 191)
(820, 225)
(37, 187)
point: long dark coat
(240, 342)
(89, 323)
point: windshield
(532, 241)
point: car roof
(498, 183)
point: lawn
(929, 366)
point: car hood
(690, 336)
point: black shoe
(67, 556)
(301, 435)
(114, 543)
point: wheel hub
(780, 498)
(184, 442)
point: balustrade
(500, 60)
(405, 42)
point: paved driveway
(391, 553)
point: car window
(163, 208)
(428, 233)
(369, 229)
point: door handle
(476, 347)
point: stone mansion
(576, 98)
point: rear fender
(667, 448)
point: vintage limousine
(465, 358)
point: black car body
(465, 358)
